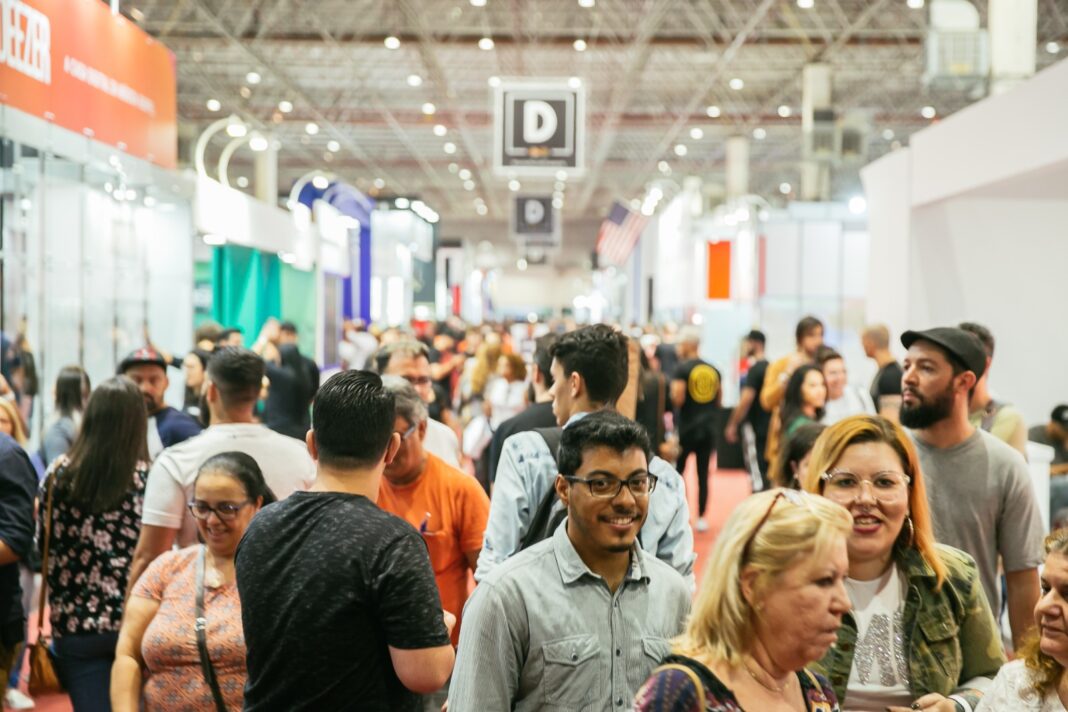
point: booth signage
(534, 222)
(539, 128)
(75, 64)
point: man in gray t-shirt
(978, 487)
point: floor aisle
(728, 487)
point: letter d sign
(533, 212)
(539, 121)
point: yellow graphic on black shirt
(703, 384)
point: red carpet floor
(727, 488)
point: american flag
(619, 233)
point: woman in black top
(97, 493)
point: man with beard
(166, 425)
(978, 487)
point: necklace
(772, 687)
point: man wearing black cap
(1055, 434)
(166, 425)
(978, 487)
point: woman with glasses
(920, 634)
(159, 634)
(771, 603)
(90, 516)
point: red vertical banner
(719, 270)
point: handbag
(43, 677)
(200, 626)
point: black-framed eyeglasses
(225, 511)
(792, 496)
(603, 486)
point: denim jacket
(953, 643)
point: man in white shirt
(234, 378)
(411, 361)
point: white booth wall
(971, 223)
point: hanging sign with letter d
(539, 128)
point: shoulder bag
(201, 626)
(43, 677)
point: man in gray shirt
(577, 621)
(978, 487)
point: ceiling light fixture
(253, 78)
(214, 105)
(481, 209)
(680, 149)
(696, 134)
(561, 175)
(915, 4)
(440, 130)
(333, 146)
(311, 128)
(1053, 47)
(785, 188)
(236, 129)
(478, 3)
(785, 111)
(737, 83)
(242, 182)
(391, 42)
(469, 185)
(429, 109)
(258, 143)
(760, 134)
(485, 44)
(414, 80)
(805, 4)
(450, 147)
(465, 174)
(379, 183)
(579, 45)
(574, 82)
(713, 112)
(888, 134)
(664, 167)
(494, 81)
(285, 106)
(928, 112)
(320, 182)
(587, 3)
(514, 185)
(245, 92)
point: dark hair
(791, 452)
(982, 333)
(293, 362)
(825, 354)
(405, 347)
(605, 428)
(806, 326)
(202, 356)
(226, 333)
(543, 357)
(352, 419)
(757, 336)
(72, 385)
(288, 327)
(237, 373)
(208, 331)
(112, 440)
(243, 468)
(792, 401)
(598, 353)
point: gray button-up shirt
(526, 473)
(543, 632)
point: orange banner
(75, 64)
(719, 270)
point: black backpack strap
(542, 524)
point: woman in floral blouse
(97, 493)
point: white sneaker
(702, 525)
(18, 700)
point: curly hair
(1045, 671)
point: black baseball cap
(144, 355)
(964, 346)
(1060, 415)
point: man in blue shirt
(166, 425)
(589, 370)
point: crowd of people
(494, 518)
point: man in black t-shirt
(338, 600)
(749, 408)
(696, 395)
(18, 487)
(886, 386)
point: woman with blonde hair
(920, 634)
(1035, 681)
(771, 602)
(11, 421)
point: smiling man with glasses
(579, 620)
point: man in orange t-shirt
(447, 506)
